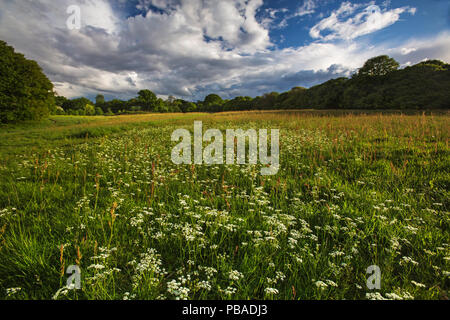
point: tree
(99, 100)
(76, 104)
(238, 103)
(25, 92)
(98, 111)
(213, 99)
(212, 103)
(59, 111)
(268, 100)
(89, 110)
(60, 100)
(378, 66)
(147, 99)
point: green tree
(98, 111)
(76, 104)
(99, 100)
(89, 110)
(60, 100)
(25, 92)
(213, 103)
(378, 66)
(213, 99)
(147, 99)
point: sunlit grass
(354, 190)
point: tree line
(26, 93)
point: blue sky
(430, 18)
(189, 48)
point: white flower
(406, 260)
(321, 284)
(417, 284)
(271, 291)
(230, 291)
(235, 275)
(12, 291)
(375, 296)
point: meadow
(353, 190)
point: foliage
(25, 92)
(378, 66)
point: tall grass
(354, 190)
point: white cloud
(342, 24)
(406, 51)
(99, 14)
(191, 48)
(418, 50)
(307, 8)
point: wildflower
(12, 291)
(270, 291)
(406, 260)
(375, 296)
(235, 275)
(321, 284)
(204, 285)
(175, 288)
(417, 284)
(230, 291)
(96, 266)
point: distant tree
(25, 92)
(59, 111)
(98, 111)
(89, 110)
(160, 106)
(212, 103)
(268, 100)
(213, 99)
(60, 101)
(238, 103)
(379, 66)
(436, 65)
(296, 98)
(76, 104)
(99, 100)
(147, 99)
(187, 106)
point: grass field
(354, 190)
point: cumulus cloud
(190, 48)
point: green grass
(354, 190)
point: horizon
(189, 49)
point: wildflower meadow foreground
(94, 208)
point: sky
(191, 48)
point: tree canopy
(378, 66)
(25, 92)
